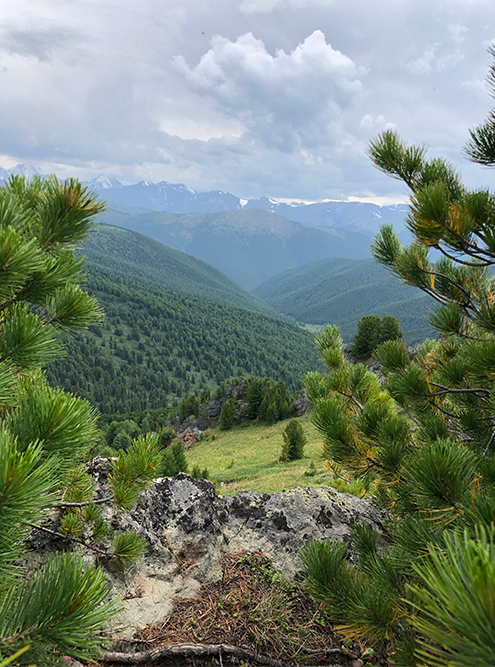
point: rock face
(188, 527)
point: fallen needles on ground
(252, 614)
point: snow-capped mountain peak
(25, 170)
(105, 182)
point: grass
(247, 458)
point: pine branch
(489, 444)
(480, 391)
(469, 301)
(353, 399)
(84, 504)
(470, 249)
(54, 533)
(458, 260)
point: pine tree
(424, 441)
(179, 457)
(294, 441)
(390, 329)
(227, 414)
(366, 339)
(45, 433)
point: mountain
(250, 246)
(164, 196)
(362, 218)
(19, 170)
(131, 255)
(342, 291)
(155, 346)
(359, 217)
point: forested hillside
(155, 346)
(250, 246)
(341, 291)
(132, 255)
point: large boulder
(188, 528)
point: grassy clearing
(247, 458)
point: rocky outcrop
(188, 528)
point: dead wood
(195, 650)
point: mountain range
(249, 245)
(362, 218)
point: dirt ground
(251, 608)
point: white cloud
(439, 56)
(377, 124)
(425, 62)
(458, 33)
(287, 100)
(277, 105)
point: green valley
(249, 245)
(341, 291)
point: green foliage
(189, 407)
(294, 441)
(389, 329)
(227, 414)
(165, 436)
(59, 607)
(71, 524)
(373, 331)
(184, 345)
(366, 339)
(53, 609)
(454, 600)
(197, 473)
(423, 441)
(134, 469)
(266, 400)
(122, 441)
(174, 460)
(128, 548)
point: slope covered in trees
(155, 346)
(341, 291)
(131, 255)
(250, 246)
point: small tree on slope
(294, 441)
(425, 440)
(53, 610)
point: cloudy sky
(256, 97)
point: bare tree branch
(189, 650)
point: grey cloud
(282, 102)
(40, 43)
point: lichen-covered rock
(301, 405)
(188, 528)
(181, 510)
